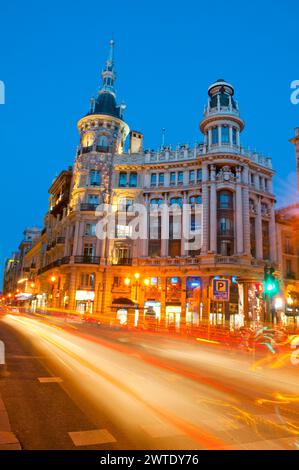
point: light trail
(138, 387)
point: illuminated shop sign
(84, 295)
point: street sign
(220, 290)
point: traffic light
(271, 284)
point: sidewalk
(8, 440)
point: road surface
(74, 386)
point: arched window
(195, 200)
(102, 143)
(88, 139)
(157, 202)
(225, 200)
(176, 200)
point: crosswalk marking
(49, 380)
(92, 437)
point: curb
(8, 440)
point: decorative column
(182, 228)
(239, 213)
(183, 303)
(66, 241)
(205, 282)
(210, 137)
(72, 290)
(76, 238)
(272, 235)
(213, 211)
(144, 241)
(258, 230)
(205, 209)
(231, 135)
(219, 135)
(164, 241)
(246, 214)
(163, 300)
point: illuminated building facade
(287, 220)
(124, 278)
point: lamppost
(52, 280)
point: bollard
(2, 359)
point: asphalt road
(133, 390)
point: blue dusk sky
(167, 54)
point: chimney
(136, 142)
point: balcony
(123, 262)
(65, 260)
(102, 149)
(86, 207)
(87, 259)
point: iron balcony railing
(87, 259)
(88, 207)
(123, 262)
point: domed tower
(102, 135)
(221, 124)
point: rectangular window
(172, 177)
(191, 176)
(89, 249)
(123, 231)
(161, 179)
(153, 179)
(215, 135)
(90, 229)
(122, 182)
(95, 178)
(116, 281)
(180, 177)
(93, 199)
(225, 134)
(87, 280)
(133, 180)
(234, 136)
(199, 174)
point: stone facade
(124, 279)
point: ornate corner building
(123, 278)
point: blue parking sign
(220, 289)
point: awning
(123, 302)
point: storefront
(85, 301)
(173, 315)
(193, 301)
(126, 311)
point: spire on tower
(108, 74)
